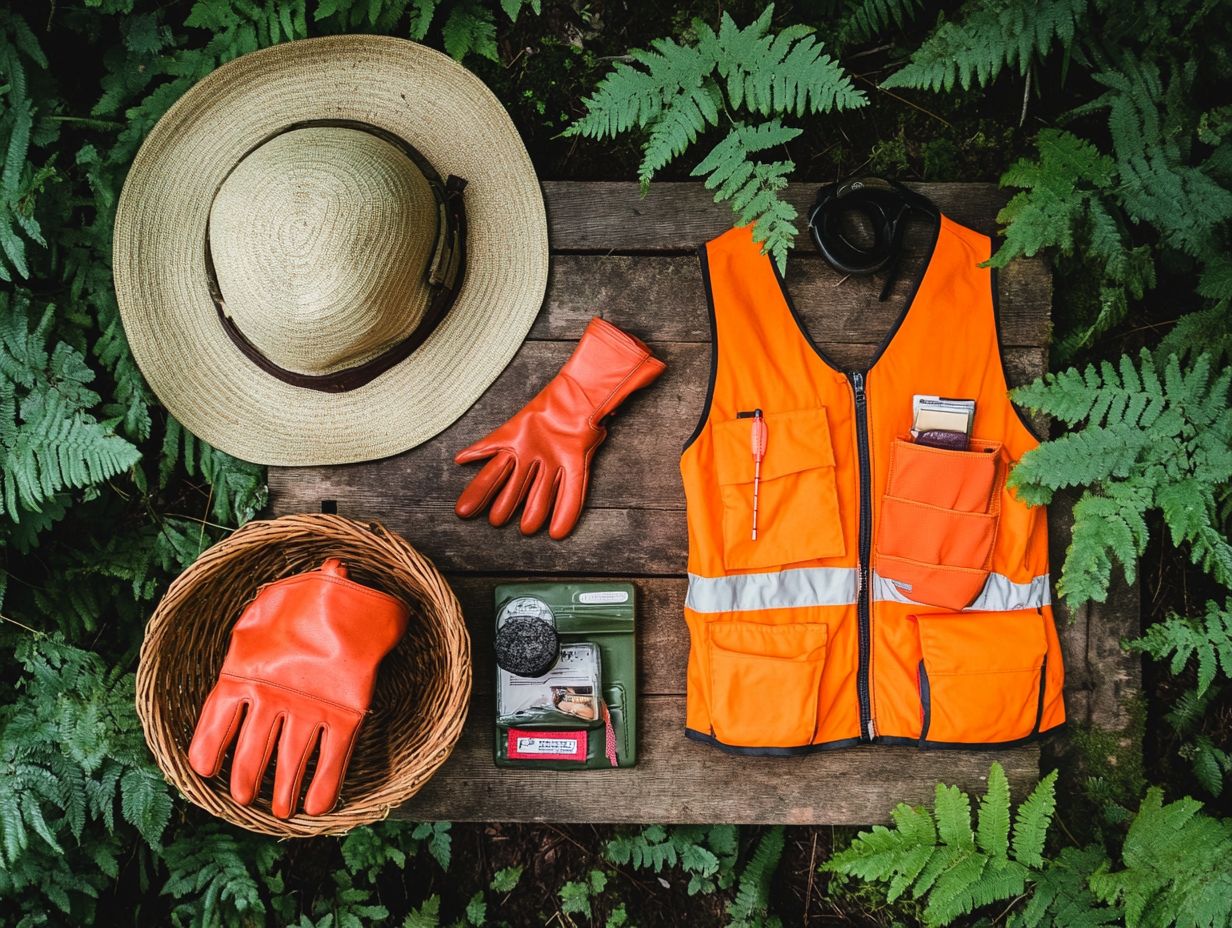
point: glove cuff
(608, 364)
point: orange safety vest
(895, 593)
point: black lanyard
(885, 204)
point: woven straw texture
(401, 87)
(423, 688)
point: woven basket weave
(423, 687)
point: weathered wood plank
(662, 296)
(614, 217)
(677, 780)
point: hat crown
(320, 238)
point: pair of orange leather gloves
(542, 455)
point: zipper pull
(857, 386)
(758, 440)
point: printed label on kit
(604, 596)
(538, 745)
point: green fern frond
(751, 906)
(1159, 181)
(1212, 765)
(989, 37)
(940, 858)
(871, 18)
(1207, 638)
(1065, 203)
(676, 92)
(470, 28)
(753, 186)
(52, 440)
(1174, 867)
(1061, 896)
(1149, 440)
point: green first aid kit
(566, 675)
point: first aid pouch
(581, 712)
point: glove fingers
(539, 501)
(569, 499)
(483, 485)
(512, 494)
(220, 719)
(337, 742)
(295, 746)
(258, 735)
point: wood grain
(613, 216)
(678, 780)
(661, 297)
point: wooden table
(633, 259)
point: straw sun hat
(327, 250)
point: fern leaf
(470, 28)
(753, 186)
(989, 37)
(870, 18)
(1208, 639)
(1174, 867)
(1147, 442)
(1060, 894)
(751, 906)
(994, 816)
(1032, 821)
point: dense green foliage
(681, 90)
(1149, 440)
(104, 498)
(1171, 868)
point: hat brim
(170, 320)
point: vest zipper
(868, 728)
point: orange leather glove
(302, 664)
(542, 455)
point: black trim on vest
(1039, 706)
(695, 735)
(704, 258)
(888, 740)
(996, 321)
(897, 741)
(926, 702)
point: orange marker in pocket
(758, 433)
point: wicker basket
(423, 687)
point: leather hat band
(443, 275)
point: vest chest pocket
(939, 521)
(797, 499)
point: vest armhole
(996, 317)
(704, 259)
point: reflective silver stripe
(1000, 594)
(780, 589)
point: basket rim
(434, 597)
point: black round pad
(526, 646)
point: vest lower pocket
(939, 521)
(764, 682)
(982, 675)
(797, 497)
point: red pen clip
(758, 438)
